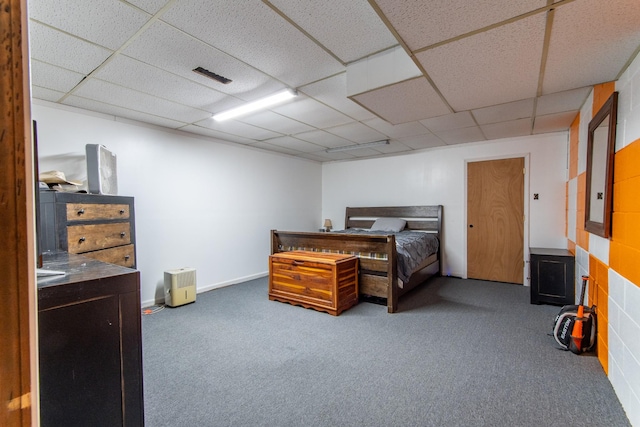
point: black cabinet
(552, 276)
(90, 344)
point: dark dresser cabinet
(552, 276)
(90, 344)
(98, 226)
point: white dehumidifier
(179, 286)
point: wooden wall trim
(16, 217)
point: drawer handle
(296, 262)
(126, 257)
(82, 239)
(80, 211)
(121, 211)
(122, 234)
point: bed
(384, 273)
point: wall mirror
(600, 153)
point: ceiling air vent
(211, 75)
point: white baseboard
(207, 288)
(231, 282)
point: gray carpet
(459, 353)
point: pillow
(389, 224)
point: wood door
(495, 220)
(17, 255)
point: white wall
(438, 176)
(198, 203)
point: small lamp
(327, 224)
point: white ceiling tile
(508, 129)
(504, 112)
(459, 136)
(449, 121)
(267, 41)
(397, 131)
(52, 77)
(275, 122)
(365, 152)
(584, 55)
(423, 23)
(341, 155)
(60, 49)
(554, 122)
(323, 138)
(110, 93)
(393, 147)
(339, 25)
(276, 148)
(379, 70)
(494, 67)
(357, 132)
(167, 48)
(317, 157)
(311, 112)
(570, 100)
(422, 141)
(324, 156)
(101, 107)
(240, 129)
(104, 22)
(404, 102)
(295, 144)
(216, 134)
(151, 6)
(45, 94)
(332, 91)
(131, 73)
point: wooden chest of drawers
(97, 226)
(322, 281)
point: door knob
(470, 225)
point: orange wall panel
(566, 209)
(598, 296)
(582, 236)
(574, 132)
(582, 189)
(602, 304)
(626, 162)
(626, 195)
(603, 354)
(598, 278)
(626, 229)
(624, 260)
(601, 93)
(624, 251)
(593, 278)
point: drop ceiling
(482, 70)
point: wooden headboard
(421, 218)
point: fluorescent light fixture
(358, 146)
(256, 105)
